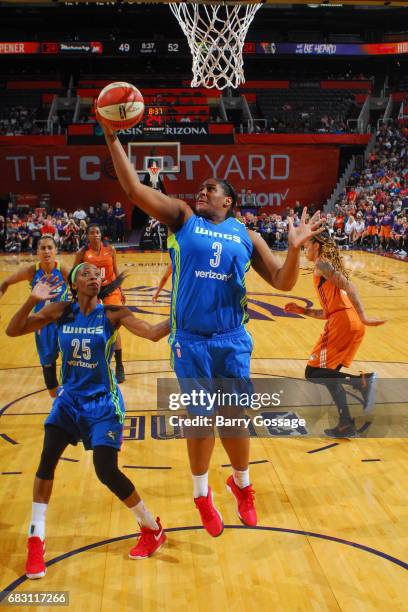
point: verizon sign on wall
(84, 175)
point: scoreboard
(121, 48)
(173, 48)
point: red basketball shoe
(245, 502)
(150, 540)
(35, 566)
(210, 517)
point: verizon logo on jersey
(211, 234)
(211, 274)
(70, 329)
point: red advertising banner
(84, 175)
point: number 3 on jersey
(86, 350)
(215, 261)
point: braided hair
(329, 251)
(229, 192)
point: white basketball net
(154, 172)
(216, 35)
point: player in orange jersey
(104, 257)
(343, 332)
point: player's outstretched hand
(297, 236)
(293, 307)
(46, 288)
(155, 296)
(373, 322)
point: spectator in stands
(120, 220)
(48, 227)
(358, 231)
(339, 221)
(24, 237)
(248, 199)
(330, 223)
(281, 232)
(397, 235)
(71, 241)
(349, 228)
(298, 208)
(34, 228)
(82, 231)
(341, 238)
(13, 244)
(79, 214)
(386, 224)
(370, 234)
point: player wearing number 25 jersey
(89, 405)
(104, 257)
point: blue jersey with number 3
(209, 264)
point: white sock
(241, 479)
(200, 485)
(143, 516)
(37, 524)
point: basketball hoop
(216, 35)
(154, 172)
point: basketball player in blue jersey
(211, 251)
(89, 404)
(46, 339)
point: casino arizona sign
(172, 130)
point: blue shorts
(221, 361)
(46, 340)
(97, 421)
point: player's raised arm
(284, 276)
(22, 274)
(324, 268)
(25, 323)
(170, 211)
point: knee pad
(50, 375)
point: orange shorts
(339, 342)
(385, 231)
(371, 230)
(114, 299)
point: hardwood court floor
(332, 526)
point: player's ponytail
(110, 288)
(329, 251)
(231, 193)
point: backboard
(165, 154)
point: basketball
(120, 105)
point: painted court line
(322, 448)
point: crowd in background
(23, 227)
(371, 213)
(378, 195)
(20, 121)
